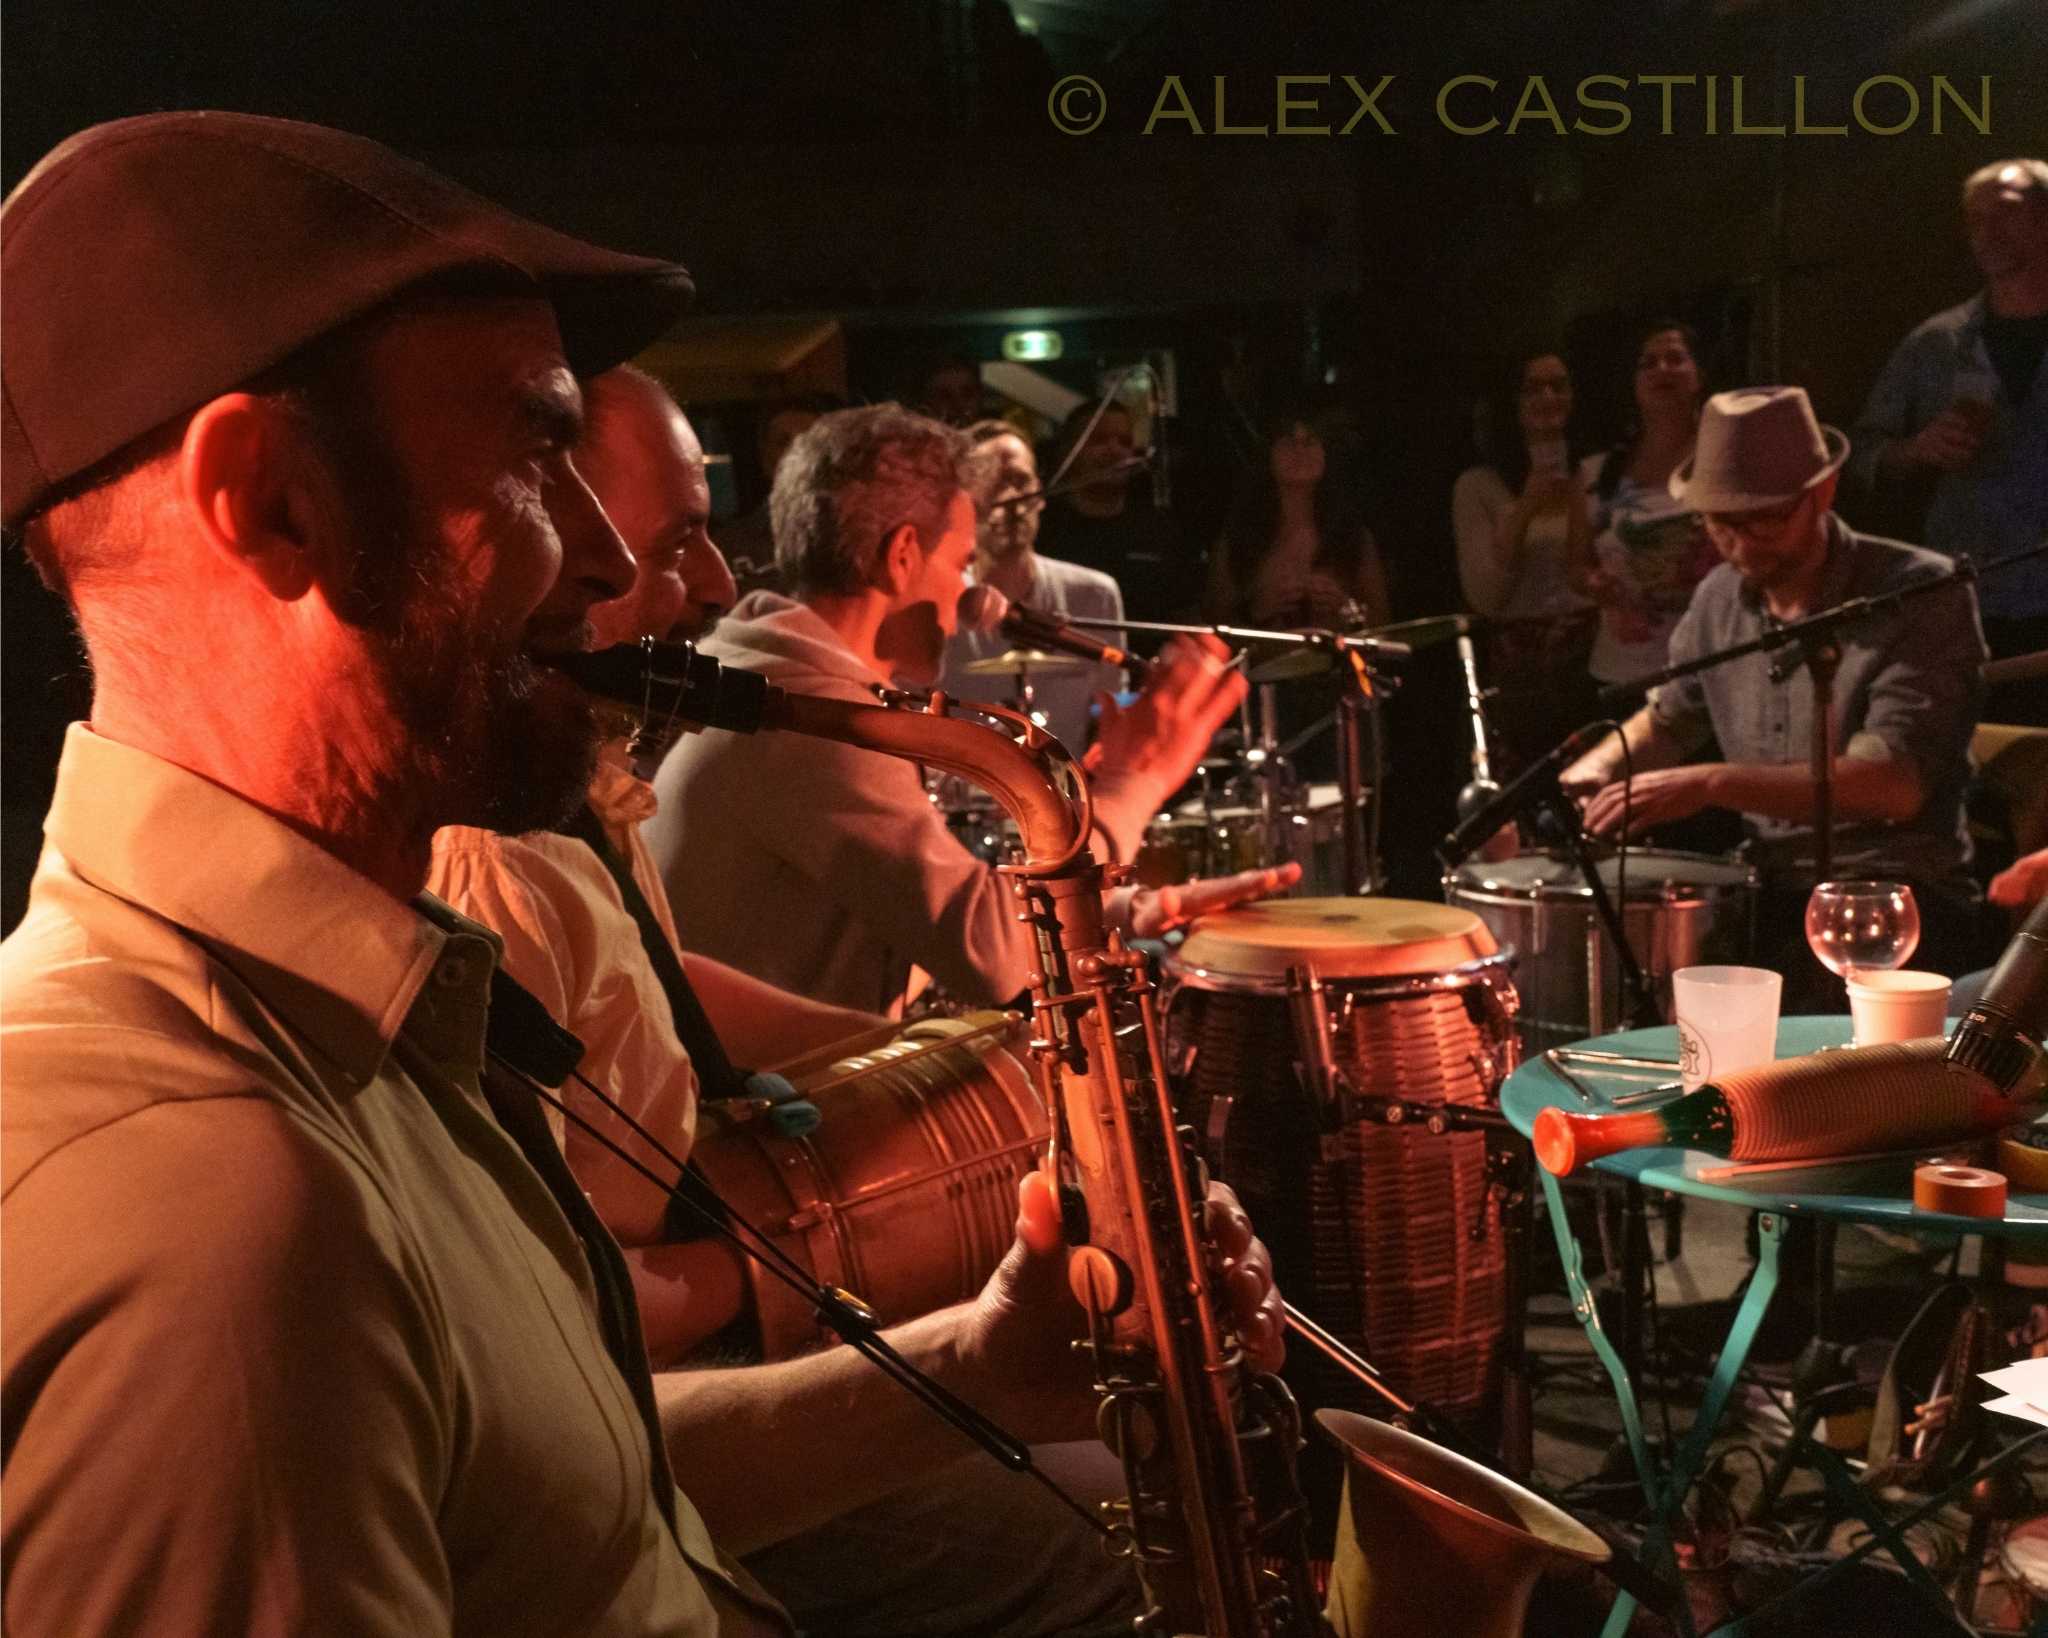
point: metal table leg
(1665, 1490)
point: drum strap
(716, 1076)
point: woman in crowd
(1647, 552)
(1295, 548)
(1521, 519)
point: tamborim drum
(906, 1191)
(1683, 909)
(1307, 1019)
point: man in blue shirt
(1963, 404)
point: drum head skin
(1652, 873)
(1332, 938)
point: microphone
(1162, 480)
(1484, 820)
(2002, 1036)
(983, 608)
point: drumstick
(1591, 1055)
(1558, 1069)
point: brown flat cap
(151, 264)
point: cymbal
(1012, 661)
(1422, 633)
(1291, 665)
(1298, 664)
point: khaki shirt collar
(321, 944)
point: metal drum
(1200, 838)
(906, 1191)
(1304, 1026)
(1683, 909)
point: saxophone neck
(1030, 774)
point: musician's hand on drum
(1657, 797)
(1246, 1270)
(1158, 910)
(1165, 733)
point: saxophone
(1214, 1523)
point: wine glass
(1867, 926)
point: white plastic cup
(1727, 1020)
(1897, 1006)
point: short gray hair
(850, 481)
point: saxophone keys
(1101, 1281)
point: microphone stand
(1818, 641)
(1359, 701)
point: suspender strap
(715, 1072)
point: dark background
(890, 163)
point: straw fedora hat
(1758, 447)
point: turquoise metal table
(1870, 1191)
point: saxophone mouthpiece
(672, 683)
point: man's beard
(508, 743)
(489, 736)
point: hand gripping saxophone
(1213, 1523)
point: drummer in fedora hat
(1906, 694)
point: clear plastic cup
(1897, 1006)
(1727, 1019)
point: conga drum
(1304, 1022)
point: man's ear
(246, 476)
(900, 560)
(1824, 492)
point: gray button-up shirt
(1999, 502)
(1908, 687)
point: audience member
(1521, 519)
(1962, 406)
(1647, 551)
(1906, 695)
(947, 388)
(1002, 479)
(1295, 549)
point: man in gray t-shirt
(1906, 694)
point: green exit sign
(1032, 346)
